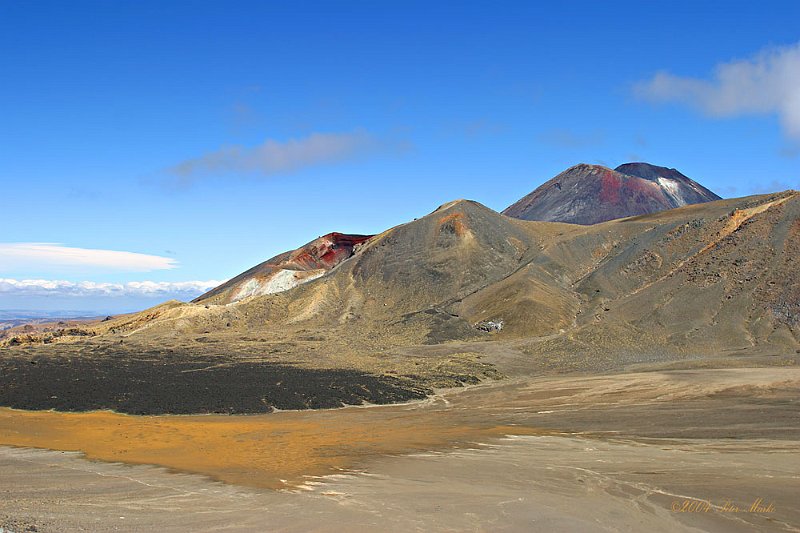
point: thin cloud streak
(764, 84)
(276, 157)
(82, 289)
(37, 254)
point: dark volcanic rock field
(167, 383)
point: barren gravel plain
(655, 449)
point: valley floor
(661, 450)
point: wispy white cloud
(21, 255)
(45, 287)
(275, 157)
(768, 83)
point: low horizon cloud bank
(29, 255)
(58, 288)
(273, 157)
(767, 83)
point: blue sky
(208, 136)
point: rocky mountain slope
(589, 194)
(706, 277)
(287, 270)
(455, 297)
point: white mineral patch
(282, 280)
(248, 288)
(673, 190)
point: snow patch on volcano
(673, 190)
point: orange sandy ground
(274, 450)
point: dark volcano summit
(589, 194)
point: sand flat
(611, 452)
(270, 451)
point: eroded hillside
(463, 292)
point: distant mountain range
(464, 270)
(710, 276)
(583, 194)
(423, 303)
(17, 314)
(589, 194)
(10, 318)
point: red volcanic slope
(323, 253)
(588, 194)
